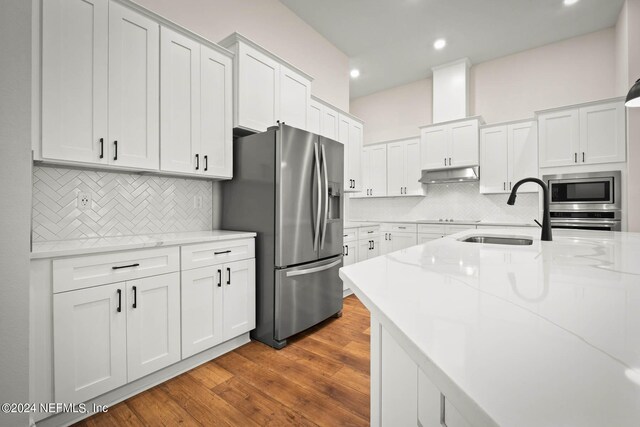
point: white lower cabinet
(108, 335)
(218, 303)
(90, 342)
(153, 324)
(401, 393)
(369, 248)
(397, 236)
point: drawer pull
(369, 232)
(222, 252)
(118, 267)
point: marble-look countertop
(62, 248)
(540, 335)
(367, 223)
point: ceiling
(391, 41)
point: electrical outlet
(197, 202)
(84, 200)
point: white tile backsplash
(461, 201)
(122, 204)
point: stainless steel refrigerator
(287, 186)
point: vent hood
(450, 175)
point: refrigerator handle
(326, 197)
(313, 269)
(317, 229)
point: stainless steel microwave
(585, 191)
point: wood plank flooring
(320, 379)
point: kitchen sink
(499, 240)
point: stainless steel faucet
(546, 222)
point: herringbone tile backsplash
(123, 204)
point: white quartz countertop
(106, 244)
(367, 223)
(539, 335)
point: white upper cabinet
(180, 106)
(452, 144)
(195, 108)
(295, 95)
(266, 89)
(589, 134)
(314, 124)
(216, 116)
(350, 133)
(106, 102)
(134, 73)
(75, 80)
(374, 171)
(403, 168)
(323, 120)
(508, 153)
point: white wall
(513, 87)
(395, 113)
(275, 27)
(15, 209)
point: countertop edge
(117, 247)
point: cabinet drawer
(86, 271)
(369, 232)
(207, 254)
(350, 235)
(431, 228)
(400, 227)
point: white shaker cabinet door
(201, 309)
(434, 147)
(329, 123)
(295, 94)
(216, 115)
(523, 155)
(395, 168)
(355, 149)
(153, 324)
(494, 158)
(239, 298)
(134, 73)
(89, 340)
(180, 103)
(412, 170)
(378, 170)
(258, 105)
(314, 122)
(402, 240)
(464, 144)
(559, 138)
(343, 137)
(602, 133)
(74, 80)
(350, 253)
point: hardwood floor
(321, 378)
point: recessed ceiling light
(355, 73)
(440, 44)
(570, 2)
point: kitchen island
(472, 334)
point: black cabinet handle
(445, 161)
(575, 157)
(135, 297)
(583, 157)
(449, 161)
(222, 252)
(219, 278)
(102, 148)
(115, 148)
(373, 243)
(347, 246)
(197, 161)
(206, 163)
(228, 276)
(118, 267)
(119, 309)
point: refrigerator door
(306, 295)
(298, 198)
(332, 156)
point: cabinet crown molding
(584, 104)
(236, 37)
